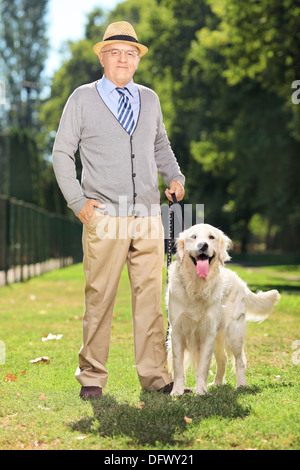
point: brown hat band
(121, 37)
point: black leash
(171, 233)
(174, 207)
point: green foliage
(246, 121)
(23, 47)
(81, 66)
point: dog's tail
(260, 305)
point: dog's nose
(202, 246)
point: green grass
(41, 408)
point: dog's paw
(201, 391)
(177, 392)
(215, 384)
(241, 385)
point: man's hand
(88, 210)
(177, 188)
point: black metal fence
(32, 240)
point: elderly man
(122, 141)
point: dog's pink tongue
(202, 267)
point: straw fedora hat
(121, 31)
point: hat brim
(99, 46)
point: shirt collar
(109, 87)
(131, 88)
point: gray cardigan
(119, 170)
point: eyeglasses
(118, 52)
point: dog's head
(203, 245)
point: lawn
(40, 406)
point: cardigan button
(134, 175)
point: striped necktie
(125, 113)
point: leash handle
(174, 200)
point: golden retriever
(208, 306)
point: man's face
(119, 69)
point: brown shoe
(167, 389)
(90, 392)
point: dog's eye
(194, 236)
(211, 237)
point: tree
(80, 66)
(23, 47)
(246, 64)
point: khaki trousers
(108, 243)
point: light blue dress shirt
(107, 91)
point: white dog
(208, 306)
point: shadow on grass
(159, 417)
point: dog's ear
(180, 248)
(225, 245)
